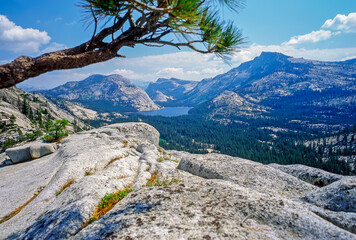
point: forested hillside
(253, 139)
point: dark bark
(23, 67)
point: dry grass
(107, 203)
(65, 186)
(125, 142)
(17, 210)
(112, 160)
(153, 181)
(59, 140)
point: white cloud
(54, 47)
(170, 71)
(314, 36)
(342, 23)
(212, 71)
(127, 74)
(336, 54)
(184, 65)
(18, 39)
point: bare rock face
(311, 175)
(104, 94)
(339, 196)
(176, 195)
(244, 172)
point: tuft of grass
(106, 204)
(125, 142)
(65, 186)
(153, 181)
(89, 172)
(112, 160)
(166, 157)
(160, 159)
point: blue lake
(167, 112)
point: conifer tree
(193, 24)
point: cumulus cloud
(170, 71)
(18, 39)
(342, 23)
(332, 27)
(314, 36)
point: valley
(273, 109)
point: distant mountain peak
(273, 55)
(105, 93)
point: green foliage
(196, 23)
(113, 197)
(55, 130)
(25, 109)
(12, 119)
(8, 144)
(160, 159)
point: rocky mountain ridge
(112, 93)
(284, 85)
(174, 195)
(166, 91)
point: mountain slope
(275, 74)
(167, 92)
(105, 93)
(228, 104)
(287, 85)
(39, 109)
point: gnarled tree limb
(139, 22)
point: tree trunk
(24, 67)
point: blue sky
(317, 29)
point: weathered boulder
(19, 154)
(30, 151)
(315, 176)
(38, 150)
(129, 131)
(207, 197)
